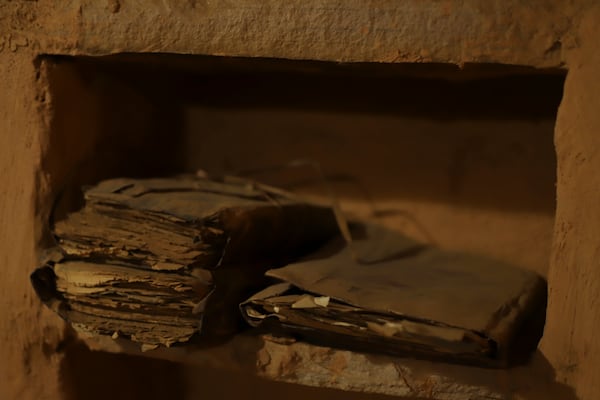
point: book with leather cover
(384, 292)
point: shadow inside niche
(537, 380)
(206, 383)
(93, 375)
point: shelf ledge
(286, 360)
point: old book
(177, 223)
(404, 298)
(162, 260)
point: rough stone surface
(542, 33)
(29, 333)
(324, 367)
(512, 32)
(285, 360)
(570, 340)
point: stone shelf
(286, 360)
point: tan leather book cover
(402, 298)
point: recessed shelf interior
(463, 157)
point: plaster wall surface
(28, 332)
(570, 340)
(539, 33)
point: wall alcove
(467, 152)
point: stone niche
(464, 157)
